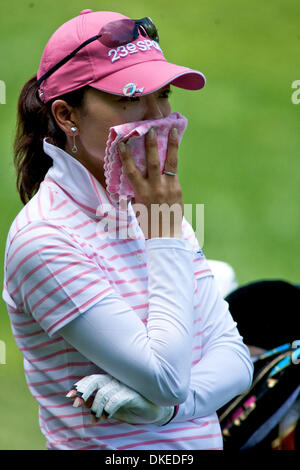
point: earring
(74, 148)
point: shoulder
(43, 216)
(34, 238)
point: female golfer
(138, 321)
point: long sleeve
(225, 368)
(150, 358)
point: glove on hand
(121, 402)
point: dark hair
(34, 122)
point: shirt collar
(73, 177)
(79, 183)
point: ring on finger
(170, 173)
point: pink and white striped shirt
(57, 268)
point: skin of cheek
(104, 112)
(94, 127)
(99, 115)
(94, 130)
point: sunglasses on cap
(113, 34)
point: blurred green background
(239, 156)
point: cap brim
(151, 76)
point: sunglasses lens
(117, 33)
(121, 32)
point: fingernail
(152, 133)
(69, 395)
(174, 133)
(122, 146)
(77, 402)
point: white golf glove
(121, 402)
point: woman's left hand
(115, 400)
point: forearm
(150, 358)
(224, 369)
(212, 387)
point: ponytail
(34, 122)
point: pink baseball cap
(137, 67)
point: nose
(153, 107)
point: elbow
(241, 366)
(248, 376)
(248, 368)
(245, 375)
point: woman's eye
(165, 93)
(129, 99)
